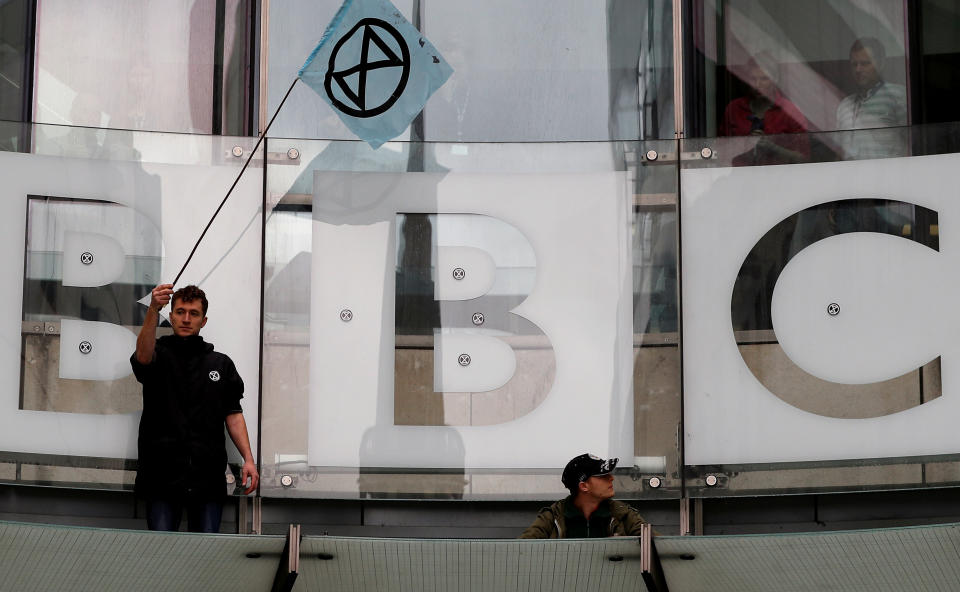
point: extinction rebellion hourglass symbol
(377, 57)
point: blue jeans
(202, 516)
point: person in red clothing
(764, 112)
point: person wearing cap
(590, 510)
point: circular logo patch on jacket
(214, 375)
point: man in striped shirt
(876, 105)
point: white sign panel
(178, 199)
(577, 226)
(855, 308)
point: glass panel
(656, 346)
(95, 218)
(14, 70)
(762, 68)
(939, 59)
(817, 350)
(144, 65)
(457, 277)
(530, 71)
(236, 65)
(433, 307)
(543, 71)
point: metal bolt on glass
(286, 480)
(85, 347)
(833, 309)
(346, 315)
(86, 258)
(293, 154)
(237, 151)
(706, 152)
(711, 480)
(651, 155)
(654, 482)
(478, 318)
(459, 273)
(464, 360)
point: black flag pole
(237, 180)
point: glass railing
(459, 320)
(816, 318)
(94, 218)
(456, 321)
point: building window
(175, 66)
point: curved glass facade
(746, 290)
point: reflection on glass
(464, 318)
(591, 71)
(422, 378)
(876, 103)
(81, 291)
(753, 290)
(656, 73)
(417, 311)
(655, 270)
(938, 61)
(656, 353)
(654, 237)
(764, 111)
(837, 338)
(14, 54)
(751, 307)
(807, 50)
(13, 41)
(74, 270)
(82, 232)
(144, 66)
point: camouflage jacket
(551, 524)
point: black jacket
(188, 390)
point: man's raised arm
(147, 339)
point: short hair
(873, 45)
(767, 64)
(189, 294)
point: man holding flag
(376, 71)
(190, 392)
